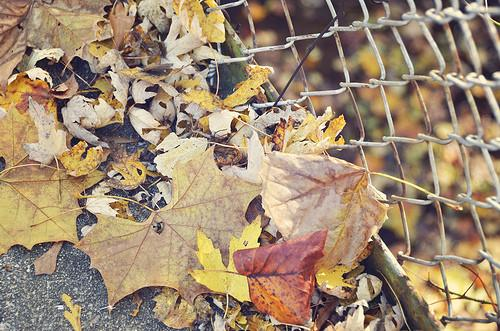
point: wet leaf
(161, 250)
(322, 193)
(215, 275)
(281, 276)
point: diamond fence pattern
(447, 77)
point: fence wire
(449, 76)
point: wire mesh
(449, 32)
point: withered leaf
(39, 204)
(12, 36)
(66, 24)
(162, 250)
(46, 264)
(305, 193)
(281, 276)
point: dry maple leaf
(12, 36)
(162, 250)
(305, 193)
(39, 204)
(281, 276)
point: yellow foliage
(73, 315)
(16, 125)
(76, 165)
(216, 276)
(133, 172)
(331, 277)
(204, 98)
(257, 76)
(209, 28)
(311, 137)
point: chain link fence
(462, 40)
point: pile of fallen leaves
(239, 213)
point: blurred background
(425, 107)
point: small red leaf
(281, 276)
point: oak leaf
(162, 250)
(281, 276)
(215, 275)
(305, 193)
(74, 312)
(51, 140)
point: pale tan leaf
(51, 141)
(46, 264)
(305, 193)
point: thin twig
(308, 51)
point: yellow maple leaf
(208, 28)
(215, 275)
(73, 315)
(76, 165)
(332, 277)
(257, 75)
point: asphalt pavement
(29, 302)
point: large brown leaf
(132, 255)
(305, 193)
(12, 36)
(281, 276)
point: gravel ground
(29, 302)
